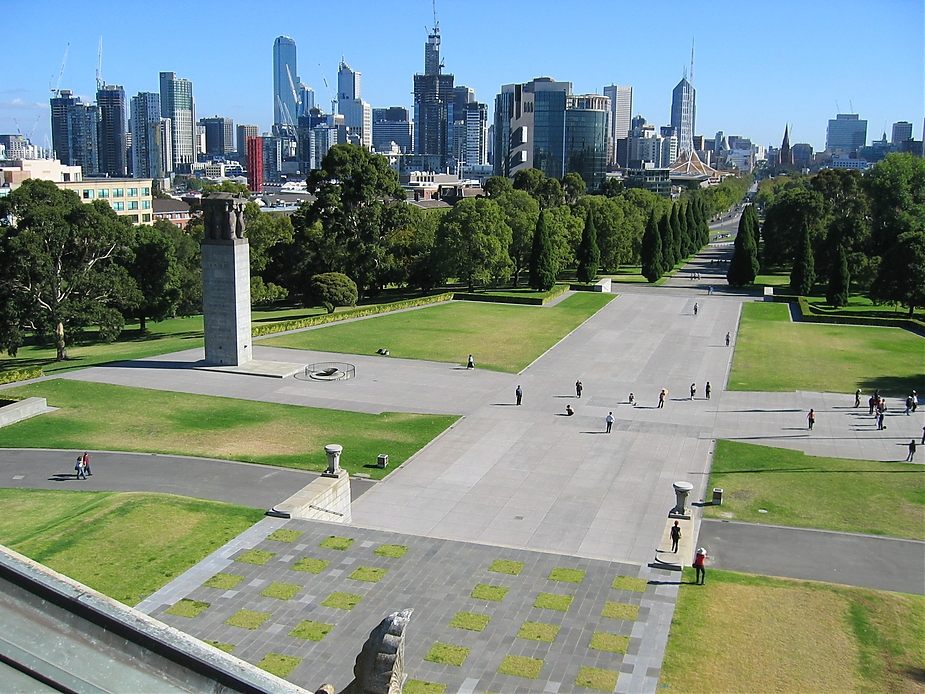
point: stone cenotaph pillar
(226, 281)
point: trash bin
(382, 460)
(717, 496)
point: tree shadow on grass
(819, 472)
(897, 386)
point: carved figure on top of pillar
(223, 216)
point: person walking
(86, 459)
(880, 426)
(693, 390)
(911, 451)
(568, 410)
(661, 398)
(519, 393)
(696, 308)
(811, 418)
(609, 420)
(728, 338)
(578, 388)
(675, 536)
(871, 402)
(79, 467)
(857, 398)
(707, 390)
(470, 362)
(632, 400)
(915, 401)
(700, 561)
(923, 436)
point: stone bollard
(333, 451)
(681, 490)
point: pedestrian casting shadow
(562, 414)
(504, 404)
(764, 410)
(565, 396)
(592, 432)
(794, 429)
(63, 477)
(668, 583)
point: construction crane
(295, 95)
(56, 89)
(99, 64)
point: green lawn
(126, 545)
(773, 354)
(107, 417)
(171, 335)
(757, 634)
(501, 337)
(861, 306)
(773, 279)
(796, 489)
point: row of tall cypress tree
(673, 235)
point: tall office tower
(902, 131)
(433, 98)
(476, 135)
(146, 135)
(177, 104)
(165, 142)
(845, 135)
(219, 135)
(621, 114)
(390, 125)
(60, 104)
(306, 100)
(110, 99)
(285, 81)
(242, 133)
(83, 126)
(456, 119)
(358, 114)
(683, 114)
(253, 146)
(541, 124)
(785, 155)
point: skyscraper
(285, 80)
(111, 101)
(475, 152)
(683, 114)
(845, 135)
(177, 104)
(392, 125)
(147, 135)
(433, 98)
(621, 113)
(254, 148)
(902, 131)
(242, 132)
(219, 135)
(60, 105)
(83, 126)
(358, 114)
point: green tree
(744, 264)
(612, 234)
(543, 266)
(652, 262)
(573, 187)
(550, 194)
(153, 267)
(472, 242)
(803, 273)
(692, 227)
(226, 187)
(497, 185)
(565, 229)
(529, 180)
(589, 256)
(837, 292)
(188, 264)
(669, 260)
(901, 279)
(265, 230)
(677, 242)
(896, 188)
(58, 269)
(409, 246)
(333, 289)
(794, 210)
(612, 187)
(520, 212)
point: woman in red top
(699, 560)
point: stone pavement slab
(436, 578)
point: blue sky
(758, 65)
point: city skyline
(772, 55)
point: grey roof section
(162, 205)
(59, 635)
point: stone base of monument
(326, 498)
(256, 367)
(675, 561)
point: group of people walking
(82, 466)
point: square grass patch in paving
(370, 574)
(341, 544)
(567, 575)
(553, 601)
(620, 610)
(610, 643)
(521, 666)
(857, 496)
(311, 631)
(636, 585)
(281, 591)
(506, 566)
(472, 621)
(597, 678)
(224, 581)
(538, 631)
(100, 416)
(220, 645)
(310, 565)
(284, 535)
(188, 608)
(279, 664)
(447, 654)
(483, 591)
(255, 556)
(424, 687)
(342, 601)
(391, 551)
(248, 619)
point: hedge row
(810, 315)
(358, 312)
(545, 297)
(20, 374)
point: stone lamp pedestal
(333, 451)
(681, 491)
